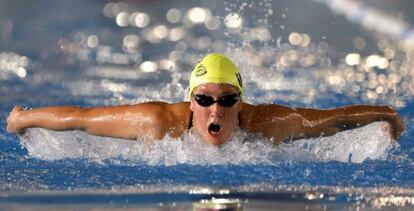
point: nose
(216, 110)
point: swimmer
(216, 109)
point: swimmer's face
(216, 123)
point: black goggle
(225, 101)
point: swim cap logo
(201, 70)
(239, 79)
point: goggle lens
(225, 101)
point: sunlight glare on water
(272, 68)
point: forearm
(355, 116)
(144, 121)
(106, 121)
(54, 118)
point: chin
(214, 141)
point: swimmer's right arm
(142, 121)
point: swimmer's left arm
(328, 122)
(284, 123)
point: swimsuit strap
(190, 124)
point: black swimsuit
(190, 124)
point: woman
(215, 110)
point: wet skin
(154, 120)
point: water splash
(369, 142)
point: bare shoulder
(267, 119)
(177, 109)
(173, 117)
(180, 112)
(179, 120)
(262, 111)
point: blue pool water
(319, 54)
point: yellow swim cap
(217, 69)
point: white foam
(369, 142)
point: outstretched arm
(148, 120)
(282, 123)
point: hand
(397, 127)
(388, 131)
(14, 119)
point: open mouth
(214, 128)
